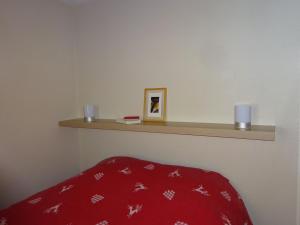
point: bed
(129, 191)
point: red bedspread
(128, 191)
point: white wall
(298, 203)
(37, 89)
(298, 199)
(209, 54)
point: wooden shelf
(258, 132)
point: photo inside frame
(154, 107)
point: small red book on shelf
(128, 121)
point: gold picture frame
(155, 103)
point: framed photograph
(155, 102)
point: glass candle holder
(89, 113)
(242, 117)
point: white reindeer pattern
(180, 223)
(3, 221)
(111, 161)
(174, 174)
(226, 195)
(34, 201)
(125, 171)
(134, 210)
(66, 188)
(139, 187)
(53, 209)
(104, 222)
(201, 190)
(150, 167)
(226, 220)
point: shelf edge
(261, 132)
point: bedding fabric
(128, 191)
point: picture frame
(155, 103)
